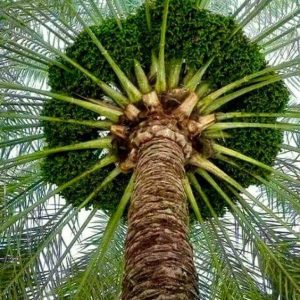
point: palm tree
(157, 117)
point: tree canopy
(70, 68)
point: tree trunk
(158, 256)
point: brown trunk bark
(158, 256)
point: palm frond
(88, 275)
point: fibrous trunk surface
(158, 256)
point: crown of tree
(155, 117)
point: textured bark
(158, 256)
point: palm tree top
(188, 43)
(85, 83)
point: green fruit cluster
(192, 35)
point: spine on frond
(230, 152)
(217, 135)
(249, 79)
(133, 93)
(192, 179)
(192, 200)
(141, 77)
(276, 126)
(236, 209)
(161, 84)
(232, 115)
(102, 109)
(94, 144)
(193, 82)
(189, 73)
(148, 15)
(210, 104)
(229, 87)
(154, 66)
(120, 99)
(174, 70)
(94, 124)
